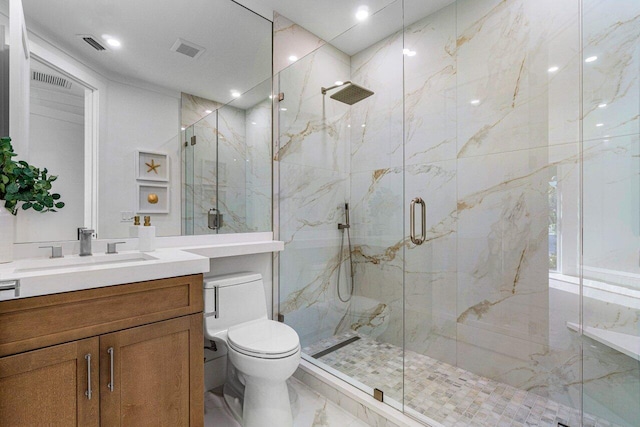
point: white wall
(136, 119)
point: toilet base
(266, 404)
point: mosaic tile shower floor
(444, 393)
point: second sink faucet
(84, 235)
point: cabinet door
(50, 386)
(153, 375)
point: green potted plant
(21, 185)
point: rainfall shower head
(351, 94)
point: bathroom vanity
(127, 354)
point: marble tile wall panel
(258, 167)
(430, 88)
(313, 166)
(610, 33)
(289, 39)
(193, 108)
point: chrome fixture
(56, 251)
(214, 219)
(418, 240)
(88, 392)
(111, 247)
(351, 94)
(346, 226)
(110, 385)
(84, 235)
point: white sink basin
(73, 261)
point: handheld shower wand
(345, 227)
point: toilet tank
(237, 298)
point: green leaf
(38, 207)
(5, 179)
(60, 205)
(55, 196)
(26, 205)
(12, 188)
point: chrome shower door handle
(418, 240)
(88, 392)
(110, 385)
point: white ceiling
(329, 19)
(237, 41)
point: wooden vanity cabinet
(145, 363)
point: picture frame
(152, 166)
(144, 203)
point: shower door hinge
(281, 97)
(378, 394)
(280, 318)
(193, 140)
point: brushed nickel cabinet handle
(88, 392)
(110, 385)
(418, 240)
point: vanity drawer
(37, 322)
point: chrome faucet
(84, 235)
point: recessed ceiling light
(293, 58)
(364, 125)
(362, 13)
(253, 123)
(183, 128)
(113, 42)
(599, 125)
(348, 126)
(208, 111)
(408, 52)
(283, 109)
(591, 59)
(553, 69)
(338, 83)
(270, 96)
(602, 105)
(475, 102)
(235, 94)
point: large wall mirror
(140, 110)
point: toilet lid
(264, 338)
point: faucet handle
(56, 251)
(83, 231)
(111, 247)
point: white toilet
(262, 353)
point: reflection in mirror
(103, 84)
(228, 167)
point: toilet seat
(266, 339)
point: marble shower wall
(312, 159)
(486, 127)
(491, 113)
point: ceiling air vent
(93, 42)
(184, 47)
(51, 80)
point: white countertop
(44, 276)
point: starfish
(152, 166)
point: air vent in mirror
(93, 42)
(187, 48)
(50, 79)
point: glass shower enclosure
(487, 273)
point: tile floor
(309, 410)
(444, 393)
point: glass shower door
(341, 204)
(611, 213)
(205, 175)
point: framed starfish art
(152, 166)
